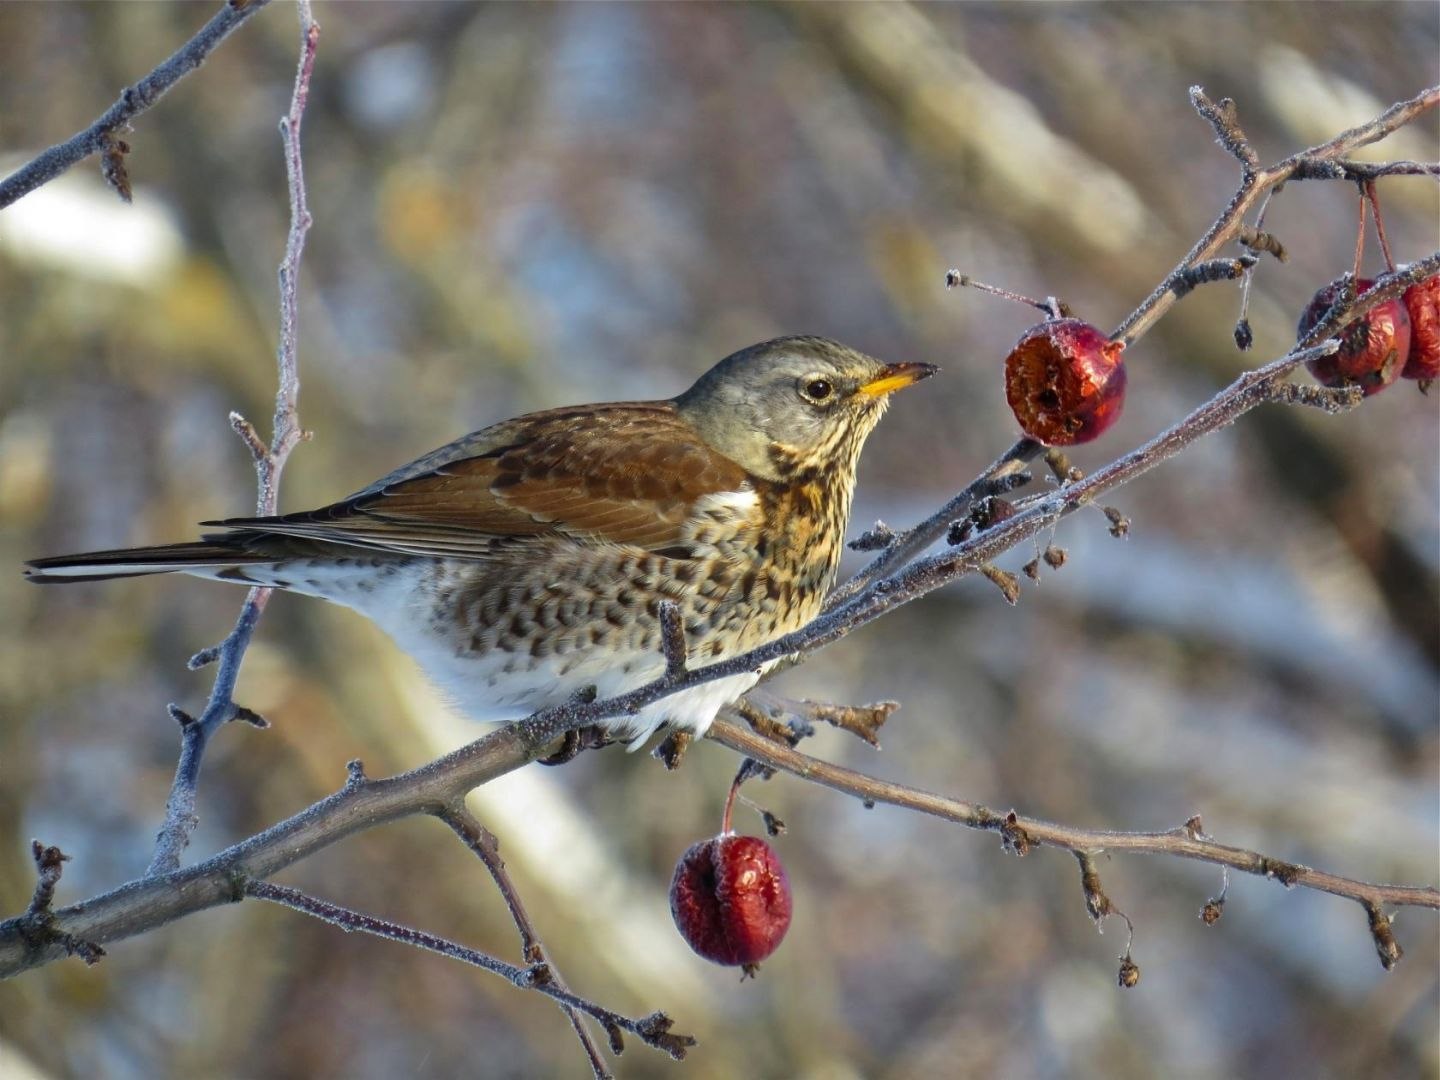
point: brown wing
(628, 473)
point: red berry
(1065, 381)
(731, 900)
(1372, 348)
(1422, 303)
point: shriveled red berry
(1373, 348)
(731, 899)
(1422, 304)
(1065, 382)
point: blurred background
(520, 206)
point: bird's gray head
(794, 404)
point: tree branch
(1023, 832)
(195, 732)
(482, 842)
(135, 99)
(1256, 187)
(653, 1030)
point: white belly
(500, 685)
(483, 690)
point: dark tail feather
(132, 562)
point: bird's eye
(815, 390)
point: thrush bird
(528, 561)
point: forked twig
(653, 1030)
(483, 843)
(195, 732)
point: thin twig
(1373, 198)
(180, 818)
(1206, 272)
(1255, 239)
(906, 545)
(482, 842)
(49, 864)
(99, 137)
(1223, 117)
(1345, 169)
(1181, 842)
(862, 721)
(1255, 185)
(1359, 244)
(37, 924)
(653, 1030)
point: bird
(527, 563)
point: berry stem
(1379, 224)
(1359, 240)
(725, 829)
(1050, 305)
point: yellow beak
(896, 377)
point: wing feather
(629, 473)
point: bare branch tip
(180, 716)
(655, 1031)
(1332, 400)
(877, 537)
(48, 868)
(1183, 281)
(249, 436)
(203, 658)
(1223, 116)
(39, 920)
(616, 1037)
(251, 717)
